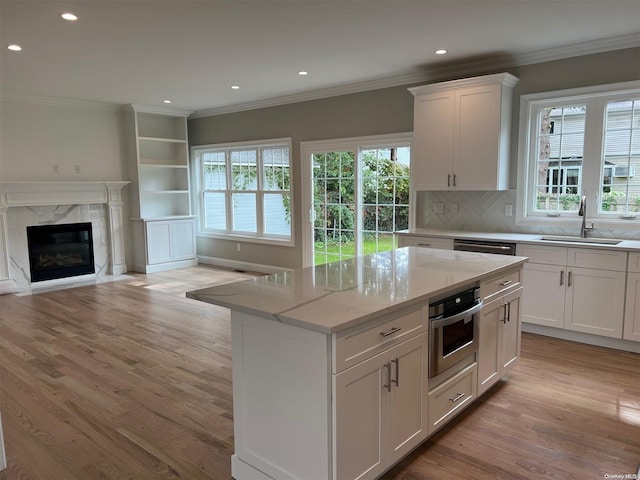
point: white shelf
(159, 139)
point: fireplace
(60, 251)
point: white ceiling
(145, 51)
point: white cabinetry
(577, 289)
(461, 134)
(427, 242)
(163, 227)
(379, 410)
(632, 306)
(315, 405)
(499, 335)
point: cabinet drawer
(355, 345)
(427, 242)
(450, 398)
(600, 259)
(495, 286)
(634, 262)
(544, 254)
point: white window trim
(245, 237)
(319, 146)
(569, 96)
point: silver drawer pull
(390, 332)
(458, 397)
(505, 283)
(424, 244)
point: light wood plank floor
(131, 380)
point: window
(244, 189)
(584, 142)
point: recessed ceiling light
(442, 51)
(235, 87)
(69, 16)
(303, 73)
(167, 101)
(14, 47)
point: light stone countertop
(530, 238)
(332, 297)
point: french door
(357, 195)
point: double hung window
(244, 189)
(584, 142)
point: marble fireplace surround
(82, 196)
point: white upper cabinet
(461, 134)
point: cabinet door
(632, 308)
(158, 242)
(406, 417)
(358, 419)
(491, 316)
(510, 333)
(595, 301)
(432, 150)
(543, 297)
(183, 239)
(477, 141)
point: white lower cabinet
(426, 242)
(380, 410)
(632, 305)
(499, 338)
(164, 244)
(575, 289)
(450, 398)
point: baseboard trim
(607, 342)
(163, 267)
(238, 265)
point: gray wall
(381, 111)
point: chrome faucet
(583, 213)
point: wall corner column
(116, 228)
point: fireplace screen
(59, 251)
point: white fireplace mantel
(31, 194)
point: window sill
(234, 237)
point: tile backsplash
(485, 212)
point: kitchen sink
(597, 241)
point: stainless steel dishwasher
(484, 246)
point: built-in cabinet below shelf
(162, 225)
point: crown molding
(434, 74)
(158, 110)
(61, 102)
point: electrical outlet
(454, 208)
(56, 169)
(238, 247)
(508, 210)
(77, 169)
(438, 208)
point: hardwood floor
(130, 379)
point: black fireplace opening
(59, 251)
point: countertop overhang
(335, 296)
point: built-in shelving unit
(161, 207)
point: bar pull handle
(390, 332)
(457, 397)
(424, 244)
(454, 179)
(569, 279)
(505, 283)
(561, 277)
(388, 385)
(397, 380)
(509, 312)
(449, 180)
(504, 315)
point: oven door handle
(443, 322)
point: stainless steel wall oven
(453, 329)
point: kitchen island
(330, 362)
